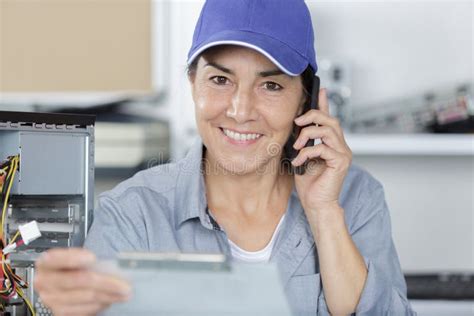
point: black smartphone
(312, 104)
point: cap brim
(285, 58)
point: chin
(246, 165)
(235, 166)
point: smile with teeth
(240, 137)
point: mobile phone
(312, 104)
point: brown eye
(220, 80)
(272, 86)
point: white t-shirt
(259, 256)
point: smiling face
(244, 108)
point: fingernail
(300, 142)
(125, 290)
(87, 258)
(125, 297)
(299, 119)
(296, 144)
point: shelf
(128, 145)
(411, 144)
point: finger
(320, 118)
(65, 258)
(333, 158)
(316, 117)
(323, 101)
(327, 134)
(81, 279)
(77, 297)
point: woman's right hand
(66, 283)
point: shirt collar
(190, 196)
(292, 244)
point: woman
(251, 66)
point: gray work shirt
(164, 209)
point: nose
(242, 107)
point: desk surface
(443, 308)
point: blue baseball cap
(279, 29)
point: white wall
(397, 48)
(431, 202)
(179, 106)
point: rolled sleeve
(384, 291)
(380, 297)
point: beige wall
(75, 45)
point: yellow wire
(11, 172)
(15, 237)
(10, 169)
(30, 307)
(3, 266)
(4, 272)
(1, 224)
(13, 169)
(5, 202)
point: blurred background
(400, 76)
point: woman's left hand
(319, 187)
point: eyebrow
(267, 73)
(221, 68)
